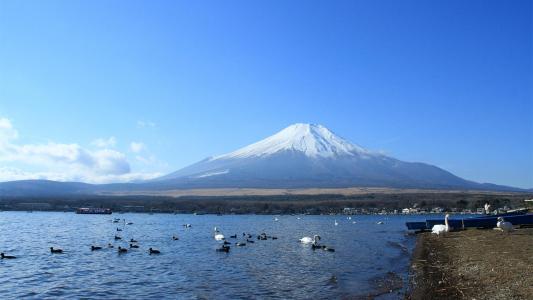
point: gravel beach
(473, 264)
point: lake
(367, 255)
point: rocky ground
(473, 264)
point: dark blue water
(190, 268)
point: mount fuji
(310, 155)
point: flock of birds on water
(218, 236)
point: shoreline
(473, 264)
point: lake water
(191, 268)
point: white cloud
(64, 162)
(104, 143)
(145, 124)
(136, 147)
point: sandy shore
(473, 264)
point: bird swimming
(218, 236)
(175, 238)
(52, 250)
(133, 241)
(224, 248)
(93, 248)
(6, 256)
(117, 237)
(153, 251)
(134, 246)
(122, 250)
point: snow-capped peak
(312, 139)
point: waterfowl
(122, 250)
(133, 241)
(249, 241)
(227, 243)
(274, 237)
(187, 225)
(7, 256)
(336, 223)
(380, 223)
(109, 245)
(233, 236)
(218, 235)
(240, 244)
(93, 248)
(175, 238)
(52, 250)
(224, 248)
(309, 240)
(153, 251)
(129, 223)
(134, 246)
(326, 248)
(119, 229)
(439, 228)
(504, 226)
(117, 237)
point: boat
(93, 211)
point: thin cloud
(136, 147)
(104, 143)
(145, 124)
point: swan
(336, 223)
(504, 226)
(276, 219)
(309, 240)
(218, 235)
(438, 229)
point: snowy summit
(311, 139)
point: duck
(122, 250)
(233, 236)
(249, 241)
(109, 245)
(326, 248)
(187, 225)
(129, 223)
(224, 248)
(274, 237)
(380, 223)
(441, 229)
(117, 237)
(175, 238)
(119, 229)
(240, 244)
(503, 225)
(93, 248)
(52, 250)
(133, 241)
(6, 256)
(134, 246)
(154, 251)
(226, 243)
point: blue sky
(443, 82)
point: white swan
(336, 223)
(218, 236)
(504, 226)
(438, 229)
(309, 240)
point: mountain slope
(308, 155)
